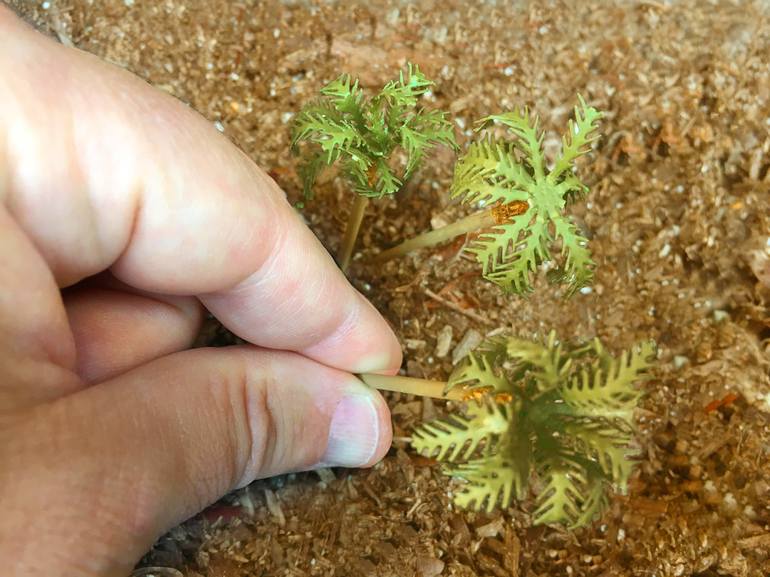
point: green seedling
(379, 142)
(558, 412)
(527, 203)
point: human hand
(110, 431)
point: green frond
(528, 141)
(515, 275)
(495, 247)
(571, 188)
(421, 132)
(325, 127)
(387, 182)
(460, 437)
(551, 366)
(562, 493)
(356, 170)
(346, 96)
(488, 172)
(605, 388)
(415, 143)
(594, 501)
(577, 270)
(581, 133)
(493, 481)
(309, 170)
(477, 372)
(404, 92)
(608, 443)
(373, 180)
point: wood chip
(471, 339)
(429, 566)
(443, 341)
(274, 506)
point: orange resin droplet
(505, 212)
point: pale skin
(123, 214)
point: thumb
(152, 447)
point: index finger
(104, 172)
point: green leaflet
(364, 134)
(495, 172)
(561, 411)
(477, 372)
(453, 437)
(605, 387)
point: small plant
(561, 411)
(512, 177)
(364, 135)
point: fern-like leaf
(528, 140)
(308, 172)
(347, 97)
(605, 389)
(559, 500)
(372, 180)
(496, 251)
(495, 480)
(577, 270)
(594, 500)
(608, 443)
(487, 173)
(477, 373)
(404, 92)
(325, 127)
(551, 366)
(580, 134)
(514, 275)
(421, 132)
(461, 436)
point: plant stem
(470, 223)
(351, 231)
(412, 386)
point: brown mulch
(679, 221)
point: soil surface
(679, 222)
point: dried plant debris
(495, 171)
(562, 411)
(363, 134)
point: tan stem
(470, 223)
(351, 231)
(412, 386)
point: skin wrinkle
(258, 409)
(340, 330)
(80, 203)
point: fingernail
(354, 432)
